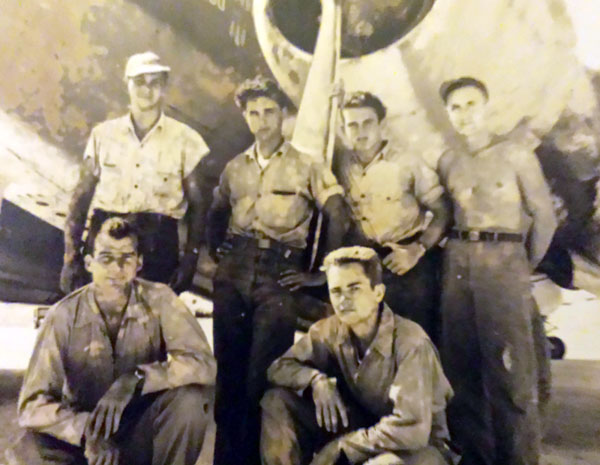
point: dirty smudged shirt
(143, 176)
(390, 196)
(73, 363)
(277, 200)
(400, 380)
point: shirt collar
(384, 338)
(383, 151)
(252, 154)
(129, 128)
(135, 306)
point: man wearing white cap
(143, 166)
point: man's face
(353, 298)
(466, 109)
(114, 263)
(264, 117)
(146, 91)
(362, 128)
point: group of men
(120, 369)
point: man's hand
(329, 454)
(73, 274)
(295, 280)
(101, 452)
(328, 404)
(184, 274)
(106, 417)
(402, 258)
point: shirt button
(362, 196)
(364, 218)
(137, 165)
(136, 186)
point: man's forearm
(336, 222)
(78, 211)
(437, 228)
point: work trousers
(254, 320)
(158, 241)
(416, 294)
(290, 433)
(488, 352)
(157, 429)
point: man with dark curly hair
(258, 227)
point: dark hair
(119, 228)
(450, 86)
(365, 99)
(371, 267)
(257, 87)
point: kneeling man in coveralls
(120, 370)
(363, 386)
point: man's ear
(140, 261)
(379, 291)
(87, 261)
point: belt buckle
(473, 236)
(264, 243)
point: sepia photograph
(300, 232)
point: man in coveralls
(259, 221)
(120, 370)
(364, 383)
(503, 225)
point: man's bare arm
(436, 229)
(538, 203)
(78, 209)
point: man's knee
(277, 401)
(187, 404)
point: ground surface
(572, 427)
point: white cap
(144, 63)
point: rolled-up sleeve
(323, 184)
(409, 425)
(189, 358)
(40, 407)
(303, 361)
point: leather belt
(485, 236)
(264, 244)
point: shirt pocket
(282, 208)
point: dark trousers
(290, 433)
(159, 429)
(488, 352)
(416, 294)
(254, 321)
(159, 241)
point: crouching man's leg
(427, 456)
(170, 431)
(289, 433)
(41, 449)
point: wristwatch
(141, 377)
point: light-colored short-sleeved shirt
(143, 176)
(399, 379)
(497, 188)
(389, 197)
(277, 200)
